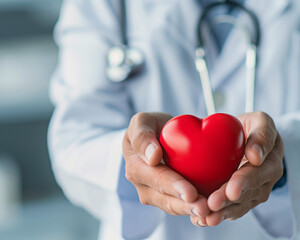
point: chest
(167, 33)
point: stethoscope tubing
(251, 57)
(127, 65)
(255, 39)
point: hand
(157, 184)
(252, 183)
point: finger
(232, 212)
(142, 135)
(198, 221)
(172, 205)
(261, 194)
(218, 199)
(161, 178)
(250, 177)
(261, 138)
(215, 218)
(236, 211)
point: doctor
(95, 119)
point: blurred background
(32, 206)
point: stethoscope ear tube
(251, 65)
(251, 58)
(202, 69)
(255, 38)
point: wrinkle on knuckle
(144, 201)
(276, 169)
(243, 178)
(193, 221)
(262, 116)
(168, 206)
(232, 218)
(250, 194)
(177, 182)
(264, 193)
(139, 139)
(128, 171)
(264, 198)
(129, 177)
(279, 143)
(266, 118)
(160, 179)
(266, 138)
(279, 172)
(248, 206)
(138, 118)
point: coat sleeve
(289, 129)
(288, 125)
(91, 114)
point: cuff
(283, 180)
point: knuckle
(168, 206)
(232, 218)
(138, 117)
(279, 141)
(193, 221)
(267, 138)
(159, 180)
(264, 117)
(144, 201)
(125, 138)
(243, 178)
(279, 171)
(266, 120)
(141, 118)
(276, 167)
(265, 193)
(130, 173)
(139, 139)
(128, 176)
(261, 115)
(264, 198)
(267, 134)
(254, 203)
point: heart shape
(205, 151)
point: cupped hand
(157, 184)
(252, 183)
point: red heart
(205, 151)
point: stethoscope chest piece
(123, 62)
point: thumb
(260, 143)
(261, 136)
(143, 139)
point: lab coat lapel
(234, 50)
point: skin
(159, 186)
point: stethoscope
(124, 61)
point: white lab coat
(92, 114)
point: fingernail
(182, 197)
(195, 212)
(179, 187)
(259, 150)
(201, 224)
(149, 151)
